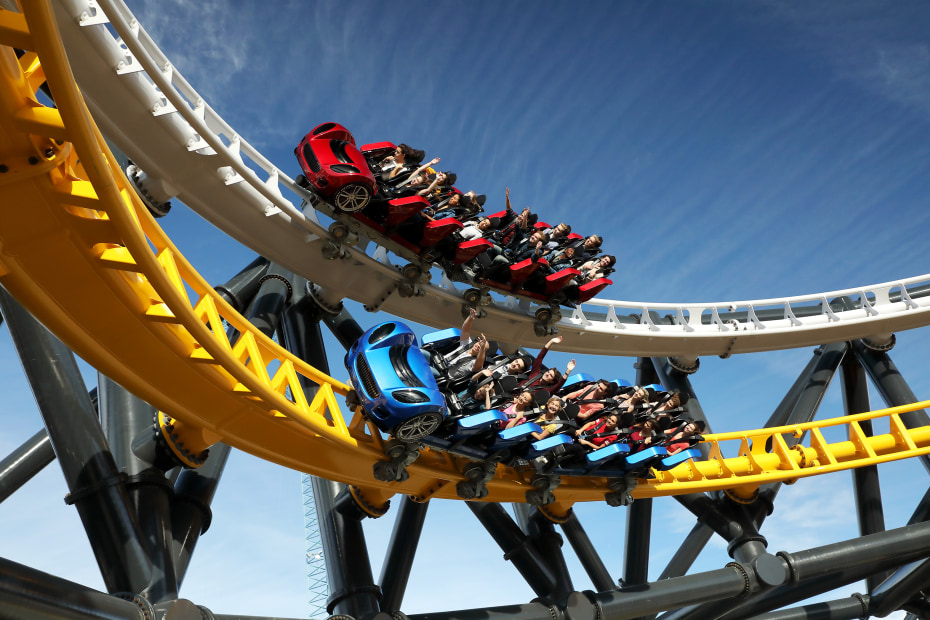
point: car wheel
(418, 426)
(302, 182)
(351, 198)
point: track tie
(14, 31)
(199, 354)
(159, 311)
(41, 121)
(79, 194)
(120, 258)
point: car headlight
(409, 396)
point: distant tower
(316, 567)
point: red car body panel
(437, 230)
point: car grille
(398, 356)
(311, 159)
(367, 379)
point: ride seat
(522, 270)
(401, 209)
(678, 458)
(607, 454)
(645, 459)
(555, 281)
(589, 290)
(437, 230)
(512, 436)
(473, 424)
(377, 150)
(467, 250)
(544, 446)
(574, 380)
(441, 339)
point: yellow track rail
(79, 250)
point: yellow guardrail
(80, 251)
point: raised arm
(482, 352)
(466, 326)
(537, 363)
(431, 162)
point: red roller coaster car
(334, 168)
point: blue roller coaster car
(394, 382)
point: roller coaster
(81, 253)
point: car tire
(351, 198)
(418, 426)
(302, 182)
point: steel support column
(636, 547)
(853, 608)
(123, 418)
(239, 290)
(549, 544)
(866, 484)
(516, 546)
(638, 601)
(527, 611)
(194, 488)
(672, 379)
(24, 462)
(922, 511)
(401, 550)
(345, 552)
(351, 585)
(97, 489)
(639, 514)
(708, 511)
(901, 586)
(688, 551)
(587, 554)
(28, 593)
(190, 510)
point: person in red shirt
(685, 437)
(597, 433)
(598, 392)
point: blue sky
(725, 150)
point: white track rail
(151, 112)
